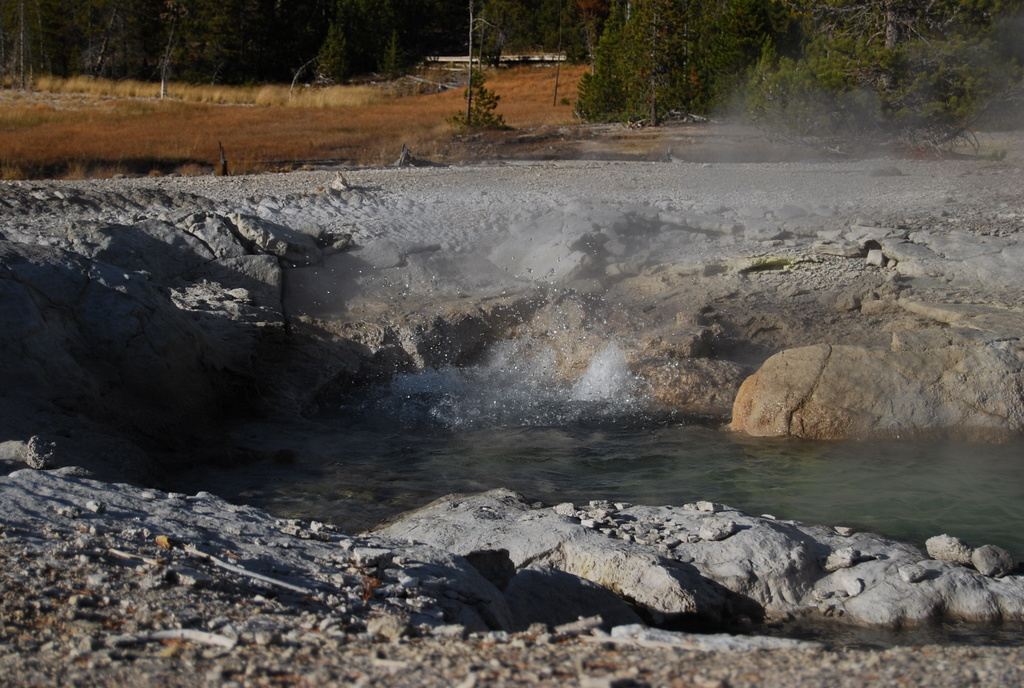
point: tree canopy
(920, 70)
(810, 66)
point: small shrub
(76, 169)
(481, 113)
(10, 171)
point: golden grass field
(86, 128)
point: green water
(369, 457)
(511, 422)
(356, 472)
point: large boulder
(963, 381)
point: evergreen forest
(917, 68)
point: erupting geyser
(518, 385)
(608, 379)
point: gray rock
(389, 625)
(772, 566)
(565, 509)
(39, 454)
(277, 240)
(584, 624)
(993, 561)
(838, 247)
(854, 586)
(215, 233)
(875, 258)
(912, 573)
(716, 529)
(949, 548)
(863, 235)
(842, 558)
(663, 588)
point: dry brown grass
(104, 132)
(268, 95)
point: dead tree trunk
(222, 169)
(295, 79)
(404, 158)
(469, 87)
(22, 38)
(104, 44)
(165, 63)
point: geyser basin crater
(144, 317)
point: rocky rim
(865, 298)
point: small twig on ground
(128, 555)
(190, 549)
(188, 634)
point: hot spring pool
(511, 424)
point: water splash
(607, 378)
(518, 386)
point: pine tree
(657, 50)
(914, 70)
(391, 62)
(601, 95)
(481, 114)
(332, 60)
(641, 65)
(729, 38)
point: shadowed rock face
(120, 335)
(94, 351)
(144, 302)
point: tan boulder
(964, 384)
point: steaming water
(517, 388)
(512, 423)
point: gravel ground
(77, 611)
(520, 660)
